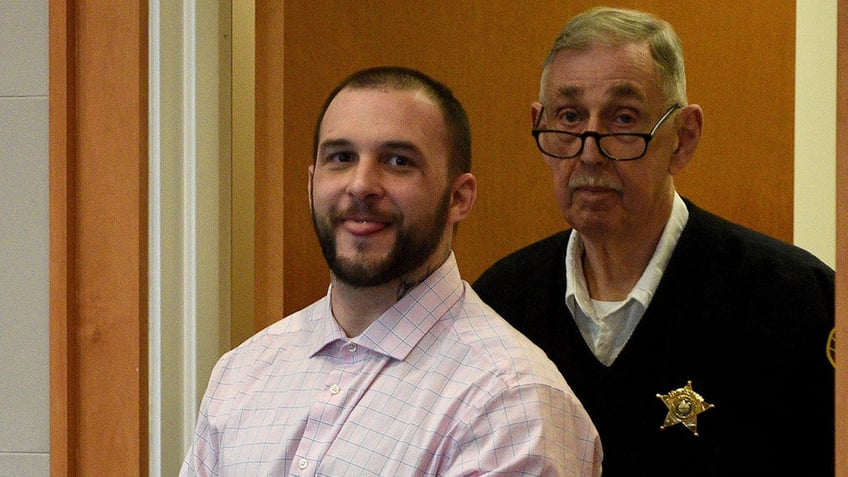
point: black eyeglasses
(616, 146)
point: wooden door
(740, 65)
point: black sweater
(743, 316)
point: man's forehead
(383, 118)
(381, 100)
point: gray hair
(615, 27)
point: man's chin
(591, 218)
(361, 273)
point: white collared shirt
(607, 326)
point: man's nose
(365, 179)
(591, 152)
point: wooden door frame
(98, 237)
(139, 228)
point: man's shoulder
(526, 278)
(287, 333)
(532, 257)
(482, 339)
(743, 245)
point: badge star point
(684, 405)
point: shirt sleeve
(532, 430)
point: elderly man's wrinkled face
(609, 90)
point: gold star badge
(684, 405)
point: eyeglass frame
(598, 136)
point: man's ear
(535, 110)
(463, 196)
(691, 120)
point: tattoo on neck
(407, 284)
(404, 287)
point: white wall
(24, 289)
(815, 128)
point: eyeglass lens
(563, 144)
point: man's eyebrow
(334, 143)
(401, 145)
(626, 91)
(570, 92)
(391, 145)
(617, 91)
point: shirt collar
(399, 329)
(577, 293)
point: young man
(400, 369)
(696, 345)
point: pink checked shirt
(439, 385)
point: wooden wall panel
(740, 62)
(98, 250)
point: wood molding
(842, 238)
(62, 399)
(269, 221)
(98, 237)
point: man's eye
(340, 157)
(399, 161)
(625, 119)
(567, 119)
(570, 116)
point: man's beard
(413, 247)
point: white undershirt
(607, 326)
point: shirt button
(302, 464)
(352, 347)
(334, 389)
